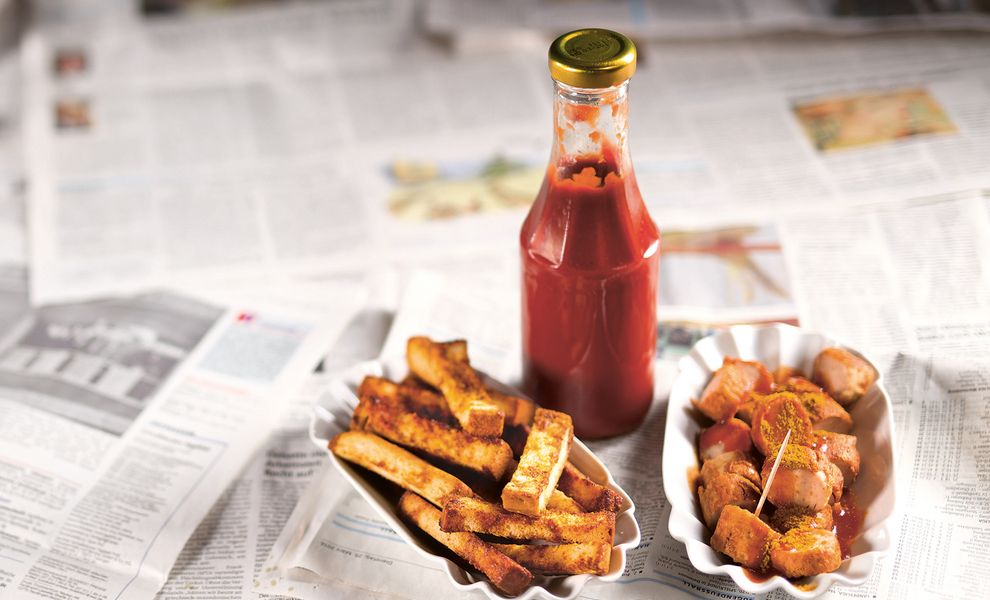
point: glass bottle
(590, 251)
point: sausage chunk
(745, 411)
(724, 490)
(841, 450)
(731, 385)
(786, 518)
(803, 552)
(737, 462)
(727, 436)
(744, 538)
(774, 415)
(825, 413)
(842, 374)
(802, 479)
(796, 383)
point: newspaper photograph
(109, 357)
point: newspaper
(224, 557)
(909, 276)
(124, 420)
(322, 157)
(300, 155)
(270, 132)
(225, 552)
(334, 542)
(486, 23)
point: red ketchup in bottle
(590, 251)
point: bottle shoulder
(586, 226)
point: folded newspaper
(124, 420)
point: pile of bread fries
(485, 473)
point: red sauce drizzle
(758, 577)
(847, 522)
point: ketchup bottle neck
(590, 129)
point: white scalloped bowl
(332, 414)
(874, 489)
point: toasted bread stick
(561, 502)
(385, 415)
(412, 397)
(573, 483)
(590, 495)
(541, 463)
(561, 559)
(478, 516)
(505, 573)
(518, 411)
(399, 466)
(460, 385)
(455, 350)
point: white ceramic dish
(331, 414)
(874, 489)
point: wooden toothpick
(773, 472)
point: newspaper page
(224, 556)
(151, 165)
(10, 113)
(124, 420)
(481, 23)
(321, 161)
(291, 103)
(12, 225)
(909, 276)
(721, 133)
(225, 553)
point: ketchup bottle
(590, 251)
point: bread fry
(399, 466)
(413, 398)
(478, 516)
(505, 573)
(455, 350)
(541, 463)
(561, 502)
(382, 411)
(460, 385)
(560, 559)
(590, 495)
(518, 411)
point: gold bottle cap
(592, 58)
